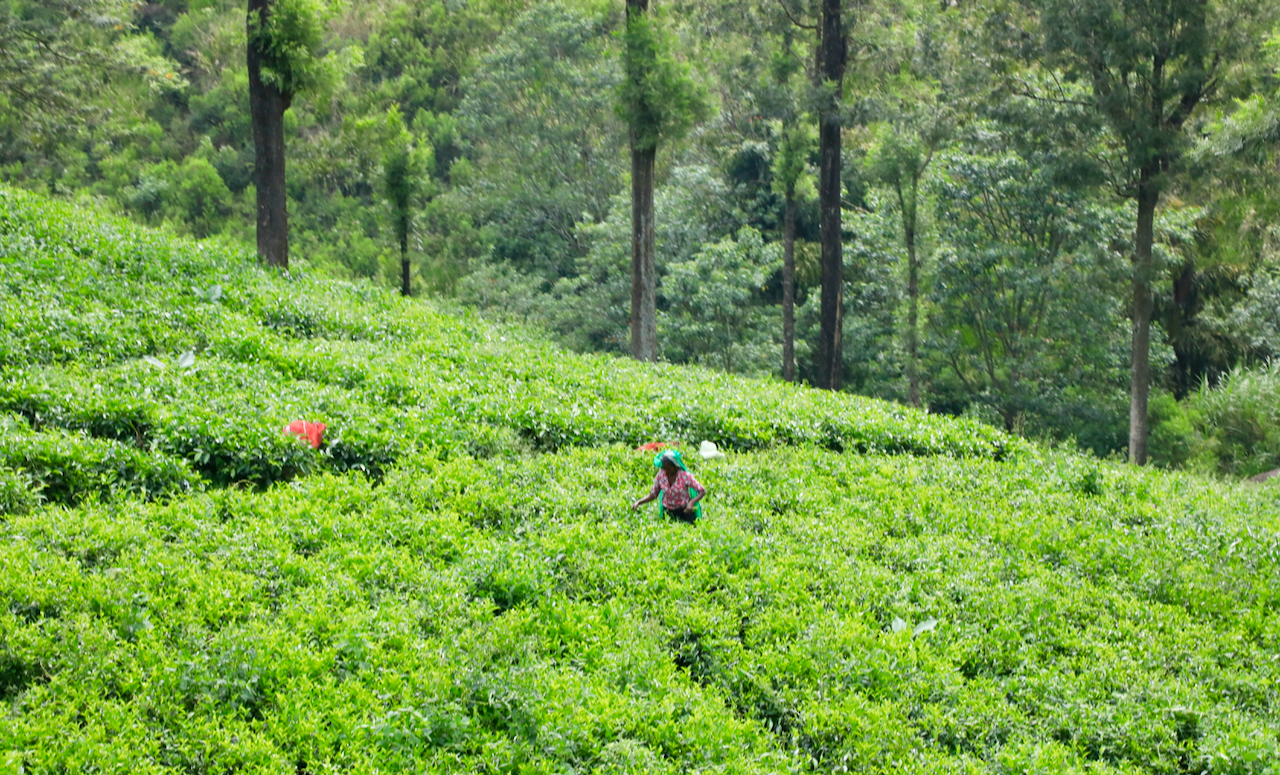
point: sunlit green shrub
(17, 492)
(453, 581)
(69, 468)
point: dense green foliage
(1229, 429)
(290, 39)
(657, 99)
(510, 125)
(452, 582)
(1019, 322)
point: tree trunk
(267, 105)
(831, 323)
(1181, 316)
(644, 314)
(644, 273)
(405, 286)
(789, 289)
(913, 317)
(1140, 372)
(728, 348)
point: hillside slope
(453, 582)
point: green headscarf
(669, 454)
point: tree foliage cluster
(1042, 204)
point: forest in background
(970, 162)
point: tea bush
(871, 613)
(17, 492)
(453, 581)
(70, 468)
(188, 350)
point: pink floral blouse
(675, 495)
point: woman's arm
(698, 488)
(646, 499)
(654, 492)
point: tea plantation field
(453, 581)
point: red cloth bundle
(312, 431)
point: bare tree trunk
(644, 272)
(789, 289)
(644, 314)
(913, 318)
(728, 348)
(267, 105)
(1181, 316)
(405, 286)
(831, 322)
(1140, 372)
(1010, 420)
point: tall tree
(404, 172)
(914, 97)
(791, 179)
(904, 148)
(659, 102)
(1024, 301)
(833, 55)
(795, 138)
(283, 56)
(549, 81)
(1147, 66)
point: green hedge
(100, 292)
(70, 468)
(878, 614)
(98, 314)
(454, 582)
